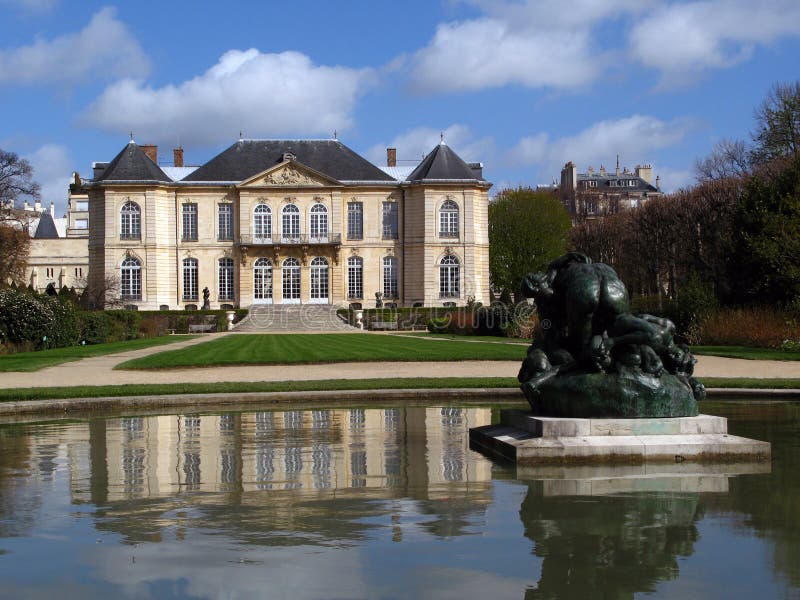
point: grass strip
(464, 338)
(746, 353)
(163, 389)
(33, 361)
(160, 389)
(274, 349)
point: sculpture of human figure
(378, 300)
(206, 295)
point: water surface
(376, 503)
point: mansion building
(288, 222)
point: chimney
(26, 206)
(591, 170)
(52, 209)
(602, 171)
(569, 177)
(151, 151)
(391, 157)
(645, 172)
(617, 164)
(37, 206)
(177, 157)
(658, 182)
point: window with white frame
(81, 223)
(189, 222)
(290, 222)
(449, 277)
(319, 222)
(190, 279)
(355, 220)
(81, 206)
(225, 288)
(390, 277)
(355, 277)
(225, 221)
(130, 221)
(131, 279)
(448, 219)
(262, 223)
(390, 231)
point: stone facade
(323, 218)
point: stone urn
(229, 314)
(359, 315)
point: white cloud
(635, 139)
(536, 43)
(34, 6)
(415, 143)
(674, 179)
(682, 40)
(104, 49)
(52, 167)
(259, 94)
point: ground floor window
(262, 280)
(449, 277)
(319, 280)
(225, 288)
(131, 279)
(291, 280)
(355, 277)
(390, 277)
(190, 279)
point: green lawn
(33, 361)
(745, 352)
(322, 348)
(158, 389)
(464, 338)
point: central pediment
(290, 173)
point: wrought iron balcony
(331, 239)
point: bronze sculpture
(594, 358)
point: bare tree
(14, 245)
(777, 118)
(729, 158)
(99, 293)
(16, 179)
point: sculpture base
(586, 395)
(533, 440)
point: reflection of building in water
(341, 449)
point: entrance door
(319, 281)
(291, 281)
(262, 281)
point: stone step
(292, 317)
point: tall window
(390, 220)
(291, 222)
(262, 223)
(291, 281)
(131, 279)
(355, 277)
(189, 221)
(448, 219)
(355, 221)
(225, 288)
(190, 279)
(262, 280)
(225, 221)
(449, 277)
(319, 222)
(390, 277)
(319, 280)
(130, 221)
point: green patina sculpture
(594, 358)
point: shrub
(762, 327)
(65, 329)
(24, 318)
(439, 324)
(95, 327)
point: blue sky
(522, 86)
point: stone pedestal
(551, 441)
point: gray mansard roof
(442, 164)
(132, 164)
(611, 182)
(246, 158)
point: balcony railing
(304, 239)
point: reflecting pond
(377, 503)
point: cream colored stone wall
(62, 262)
(418, 249)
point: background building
(288, 222)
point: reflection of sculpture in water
(587, 330)
(611, 547)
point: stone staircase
(276, 318)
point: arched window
(291, 281)
(225, 287)
(262, 224)
(291, 222)
(448, 219)
(390, 277)
(449, 277)
(319, 222)
(131, 279)
(262, 281)
(190, 279)
(355, 277)
(130, 221)
(319, 280)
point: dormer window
(288, 156)
(590, 183)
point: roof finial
(441, 138)
(131, 142)
(240, 135)
(617, 164)
(335, 134)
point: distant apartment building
(596, 194)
